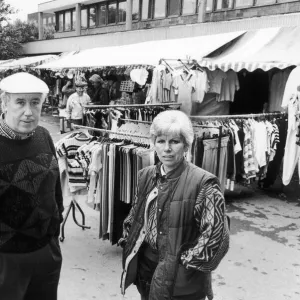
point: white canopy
(146, 53)
(261, 49)
(29, 61)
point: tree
(5, 11)
(9, 39)
(10, 46)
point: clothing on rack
(230, 85)
(291, 87)
(292, 149)
(108, 171)
(184, 85)
(252, 146)
(277, 87)
(216, 79)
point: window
(243, 3)
(174, 7)
(102, 15)
(209, 5)
(67, 26)
(264, 2)
(112, 13)
(135, 10)
(223, 4)
(189, 7)
(122, 12)
(146, 9)
(49, 22)
(44, 21)
(61, 22)
(160, 9)
(73, 19)
(84, 18)
(92, 16)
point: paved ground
(263, 262)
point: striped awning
(145, 53)
(261, 49)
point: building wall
(284, 14)
(267, 10)
(75, 43)
(48, 19)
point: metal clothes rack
(110, 131)
(132, 105)
(136, 121)
(72, 207)
(242, 116)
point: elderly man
(31, 203)
(101, 94)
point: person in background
(101, 94)
(67, 91)
(75, 104)
(176, 232)
(31, 203)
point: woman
(177, 231)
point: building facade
(48, 19)
(95, 23)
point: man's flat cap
(23, 83)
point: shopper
(31, 203)
(67, 91)
(177, 231)
(75, 104)
(101, 93)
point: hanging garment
(184, 86)
(215, 79)
(277, 87)
(229, 86)
(275, 164)
(291, 87)
(210, 158)
(201, 85)
(292, 150)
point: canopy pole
(131, 105)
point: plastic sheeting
(261, 49)
(146, 53)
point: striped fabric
(6, 131)
(68, 148)
(213, 240)
(238, 66)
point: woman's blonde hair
(172, 122)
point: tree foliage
(13, 35)
(5, 11)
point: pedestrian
(67, 91)
(176, 232)
(76, 102)
(101, 93)
(31, 203)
